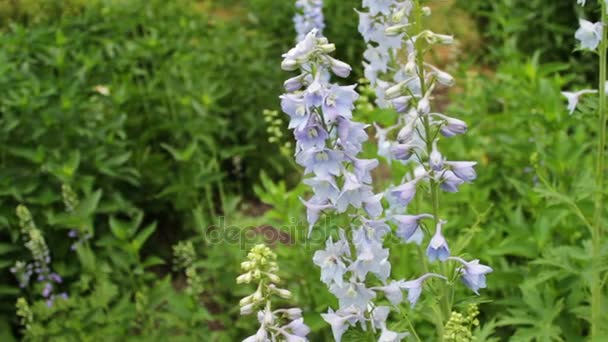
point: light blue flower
(294, 106)
(408, 227)
(309, 16)
(330, 261)
(463, 169)
(473, 273)
(339, 101)
(352, 294)
(352, 135)
(414, 287)
(438, 246)
(311, 135)
(589, 34)
(313, 210)
(324, 187)
(321, 161)
(449, 182)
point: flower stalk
(596, 291)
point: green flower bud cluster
(34, 241)
(24, 312)
(184, 258)
(275, 131)
(261, 268)
(460, 327)
(70, 199)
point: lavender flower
(309, 16)
(473, 273)
(589, 34)
(438, 247)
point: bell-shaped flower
(363, 168)
(473, 273)
(449, 182)
(403, 194)
(408, 227)
(574, 97)
(297, 328)
(391, 336)
(438, 246)
(463, 169)
(393, 292)
(338, 67)
(294, 83)
(589, 34)
(320, 161)
(436, 159)
(414, 287)
(451, 126)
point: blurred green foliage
(152, 112)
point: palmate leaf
(536, 319)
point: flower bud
(293, 83)
(339, 68)
(436, 159)
(289, 65)
(396, 29)
(244, 278)
(286, 294)
(424, 106)
(327, 48)
(273, 277)
(426, 11)
(247, 309)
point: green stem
(445, 303)
(596, 290)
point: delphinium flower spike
(309, 16)
(40, 267)
(593, 37)
(405, 81)
(275, 324)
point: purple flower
(438, 247)
(408, 227)
(321, 161)
(339, 101)
(352, 135)
(363, 168)
(436, 159)
(451, 126)
(352, 293)
(324, 186)
(313, 210)
(463, 170)
(414, 287)
(330, 261)
(46, 291)
(293, 105)
(311, 135)
(473, 274)
(404, 193)
(449, 182)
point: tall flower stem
(434, 185)
(596, 290)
